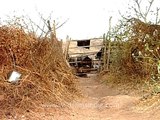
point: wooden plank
(80, 56)
(67, 47)
(104, 51)
(88, 39)
(109, 45)
(84, 61)
(86, 46)
(88, 69)
(83, 53)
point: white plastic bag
(14, 77)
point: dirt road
(100, 102)
(105, 103)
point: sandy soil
(100, 102)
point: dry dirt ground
(100, 102)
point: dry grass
(134, 85)
(46, 78)
(125, 84)
(149, 104)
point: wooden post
(54, 28)
(104, 51)
(109, 44)
(52, 31)
(68, 40)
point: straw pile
(46, 78)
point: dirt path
(104, 103)
(99, 103)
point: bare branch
(139, 11)
(62, 24)
(38, 26)
(149, 8)
(157, 16)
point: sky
(86, 18)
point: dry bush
(136, 48)
(135, 57)
(46, 78)
(146, 41)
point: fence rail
(88, 39)
(83, 61)
(83, 53)
(86, 46)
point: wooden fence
(84, 52)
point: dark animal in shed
(79, 61)
(100, 54)
(87, 62)
(84, 65)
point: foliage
(135, 46)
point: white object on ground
(14, 77)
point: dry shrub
(150, 104)
(145, 41)
(129, 65)
(135, 61)
(125, 84)
(139, 53)
(46, 78)
(122, 61)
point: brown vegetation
(134, 59)
(46, 78)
